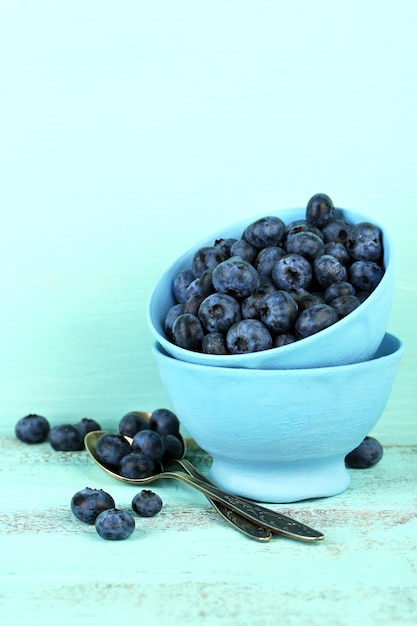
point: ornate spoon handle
(243, 524)
(277, 522)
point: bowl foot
(282, 483)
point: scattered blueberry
(149, 442)
(146, 503)
(32, 428)
(111, 448)
(87, 425)
(131, 423)
(88, 503)
(173, 448)
(66, 437)
(164, 421)
(115, 524)
(367, 454)
(136, 465)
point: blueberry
(319, 209)
(339, 251)
(165, 422)
(306, 243)
(214, 343)
(114, 524)
(205, 283)
(32, 428)
(207, 257)
(279, 312)
(87, 425)
(301, 226)
(336, 230)
(173, 312)
(284, 339)
(136, 465)
(343, 305)
(187, 332)
(66, 437)
(368, 453)
(88, 503)
(192, 305)
(149, 442)
(111, 448)
(252, 305)
(173, 448)
(308, 300)
(267, 258)
(264, 232)
(146, 503)
(364, 242)
(244, 250)
(131, 423)
(335, 290)
(218, 312)
(192, 289)
(328, 270)
(365, 275)
(293, 271)
(180, 284)
(236, 277)
(313, 319)
(225, 244)
(248, 335)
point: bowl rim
(395, 353)
(239, 360)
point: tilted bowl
(280, 435)
(352, 339)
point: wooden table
(186, 565)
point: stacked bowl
(278, 422)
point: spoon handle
(243, 524)
(277, 522)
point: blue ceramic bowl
(280, 435)
(354, 338)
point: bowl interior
(356, 336)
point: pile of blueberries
(278, 283)
(152, 441)
(95, 506)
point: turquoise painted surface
(127, 133)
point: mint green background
(130, 130)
